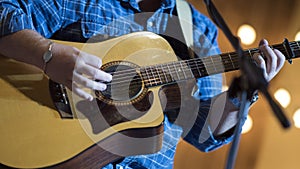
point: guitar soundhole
(126, 86)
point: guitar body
(42, 124)
(34, 135)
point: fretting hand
(272, 62)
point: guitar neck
(200, 67)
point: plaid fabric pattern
(78, 20)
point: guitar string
(156, 80)
(159, 81)
(251, 50)
(157, 70)
(202, 63)
(150, 68)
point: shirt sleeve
(201, 134)
(42, 16)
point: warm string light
(247, 34)
(296, 118)
(283, 97)
(248, 125)
(297, 37)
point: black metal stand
(251, 79)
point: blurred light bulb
(296, 118)
(248, 125)
(224, 88)
(283, 97)
(297, 37)
(247, 34)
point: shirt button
(105, 36)
(150, 24)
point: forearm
(211, 129)
(223, 114)
(26, 46)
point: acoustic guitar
(44, 125)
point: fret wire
(198, 70)
(183, 70)
(152, 78)
(148, 79)
(213, 69)
(294, 45)
(217, 60)
(250, 53)
(211, 58)
(231, 60)
(219, 66)
(189, 67)
(205, 65)
(297, 52)
(170, 73)
(178, 78)
(144, 75)
(234, 57)
(201, 68)
(197, 62)
(224, 60)
(193, 68)
(153, 75)
(162, 69)
(157, 72)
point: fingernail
(101, 86)
(109, 77)
(263, 42)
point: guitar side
(33, 135)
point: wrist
(47, 56)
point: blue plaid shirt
(78, 20)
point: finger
(280, 60)
(91, 60)
(81, 93)
(88, 83)
(270, 57)
(260, 63)
(263, 42)
(93, 72)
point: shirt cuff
(237, 102)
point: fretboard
(200, 67)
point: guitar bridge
(60, 99)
